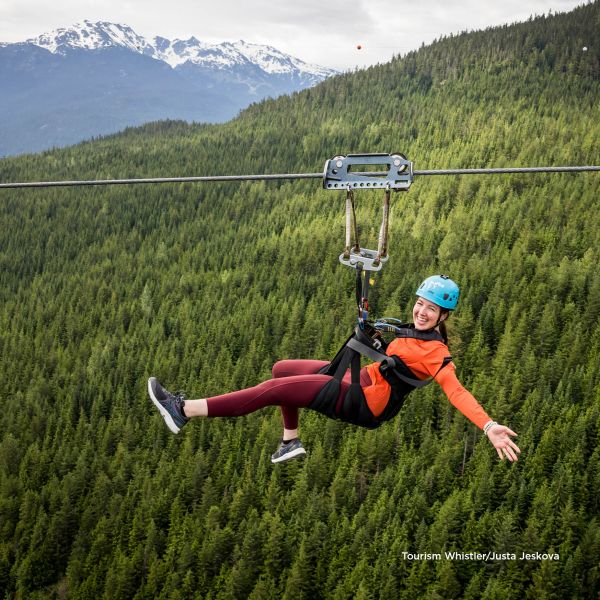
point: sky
(324, 32)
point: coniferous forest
(206, 285)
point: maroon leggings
(295, 385)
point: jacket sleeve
(460, 398)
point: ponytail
(444, 332)
(442, 327)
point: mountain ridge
(98, 78)
(89, 35)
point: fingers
(505, 447)
(509, 449)
(510, 454)
(514, 446)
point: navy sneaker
(169, 405)
(288, 450)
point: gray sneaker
(169, 405)
(288, 450)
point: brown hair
(442, 326)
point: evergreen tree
(206, 286)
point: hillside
(206, 286)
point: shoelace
(178, 397)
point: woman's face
(426, 314)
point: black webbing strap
(406, 331)
(388, 362)
(343, 365)
(359, 287)
(369, 352)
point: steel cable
(286, 176)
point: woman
(420, 350)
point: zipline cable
(288, 176)
(41, 184)
(495, 171)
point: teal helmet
(440, 290)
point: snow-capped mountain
(92, 36)
(102, 35)
(97, 78)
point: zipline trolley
(366, 172)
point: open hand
(499, 436)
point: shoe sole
(289, 455)
(165, 415)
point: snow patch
(227, 55)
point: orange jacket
(424, 359)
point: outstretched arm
(464, 401)
(461, 398)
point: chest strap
(388, 362)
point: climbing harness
(352, 407)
